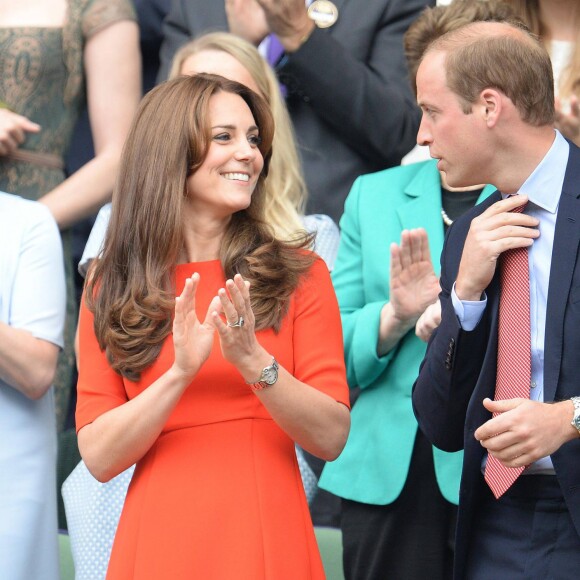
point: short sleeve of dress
(317, 342)
(99, 387)
(99, 14)
(38, 289)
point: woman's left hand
(428, 321)
(237, 335)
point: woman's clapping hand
(192, 340)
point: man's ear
(491, 104)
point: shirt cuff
(468, 312)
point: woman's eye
(254, 139)
(222, 137)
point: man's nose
(424, 136)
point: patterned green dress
(41, 77)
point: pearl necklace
(446, 219)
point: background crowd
(319, 155)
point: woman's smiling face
(223, 184)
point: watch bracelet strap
(259, 384)
(576, 403)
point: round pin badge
(323, 12)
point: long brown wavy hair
(130, 288)
(285, 186)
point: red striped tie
(513, 351)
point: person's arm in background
(32, 336)
(349, 94)
(13, 129)
(178, 29)
(17, 349)
(367, 103)
(113, 74)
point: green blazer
(373, 467)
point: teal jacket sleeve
(360, 319)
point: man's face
(454, 137)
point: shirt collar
(544, 186)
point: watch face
(270, 375)
(576, 419)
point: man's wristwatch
(576, 420)
(268, 377)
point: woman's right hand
(13, 128)
(413, 286)
(413, 282)
(192, 340)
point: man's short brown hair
(436, 21)
(503, 57)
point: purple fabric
(275, 50)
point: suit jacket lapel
(564, 255)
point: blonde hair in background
(285, 186)
(529, 12)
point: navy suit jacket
(459, 369)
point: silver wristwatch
(576, 420)
(268, 377)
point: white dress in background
(32, 298)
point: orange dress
(219, 495)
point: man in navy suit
(489, 119)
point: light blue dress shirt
(543, 188)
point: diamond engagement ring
(238, 324)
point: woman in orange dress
(207, 348)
